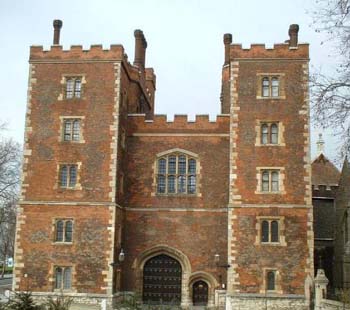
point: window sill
(177, 195)
(269, 193)
(62, 243)
(73, 141)
(271, 98)
(269, 144)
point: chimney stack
(293, 35)
(227, 42)
(57, 25)
(140, 49)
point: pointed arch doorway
(162, 276)
(200, 293)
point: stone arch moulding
(207, 278)
(140, 261)
(177, 150)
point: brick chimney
(57, 25)
(293, 35)
(140, 49)
(227, 42)
(225, 78)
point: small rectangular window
(71, 129)
(73, 87)
(63, 278)
(269, 231)
(68, 176)
(64, 230)
(270, 181)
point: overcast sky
(184, 44)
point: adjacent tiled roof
(324, 172)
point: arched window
(68, 176)
(264, 134)
(274, 181)
(270, 181)
(63, 278)
(275, 86)
(265, 231)
(274, 133)
(176, 174)
(59, 231)
(274, 231)
(270, 231)
(265, 181)
(269, 133)
(266, 87)
(271, 280)
(64, 230)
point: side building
(325, 180)
(115, 198)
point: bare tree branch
(330, 94)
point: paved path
(5, 284)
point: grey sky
(184, 44)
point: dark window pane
(76, 130)
(72, 176)
(274, 181)
(191, 185)
(77, 91)
(171, 184)
(67, 275)
(274, 134)
(274, 231)
(264, 134)
(265, 231)
(58, 278)
(59, 231)
(67, 130)
(274, 87)
(161, 184)
(162, 166)
(69, 231)
(271, 281)
(172, 164)
(69, 88)
(265, 181)
(192, 166)
(63, 176)
(181, 185)
(182, 165)
(265, 87)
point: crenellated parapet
(280, 50)
(323, 190)
(76, 52)
(137, 123)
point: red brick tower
(270, 236)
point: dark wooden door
(162, 280)
(200, 293)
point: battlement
(280, 50)
(76, 52)
(138, 123)
(322, 190)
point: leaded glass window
(176, 174)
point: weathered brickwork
(118, 206)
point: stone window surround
(64, 78)
(281, 177)
(77, 184)
(281, 230)
(53, 230)
(281, 78)
(52, 279)
(281, 129)
(278, 288)
(81, 129)
(198, 173)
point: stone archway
(211, 282)
(145, 256)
